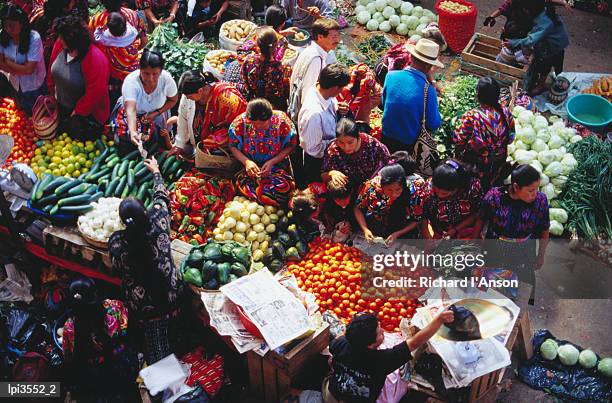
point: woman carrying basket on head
(207, 109)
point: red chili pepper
(184, 238)
(196, 206)
(197, 221)
(198, 238)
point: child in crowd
(507, 55)
(304, 208)
(337, 211)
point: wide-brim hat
(427, 51)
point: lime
(37, 151)
(89, 147)
(111, 143)
(92, 155)
(88, 164)
(77, 166)
(76, 174)
(97, 153)
(53, 165)
(85, 170)
(50, 153)
(63, 171)
(70, 168)
(56, 172)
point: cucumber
(47, 208)
(67, 186)
(161, 158)
(139, 166)
(92, 190)
(80, 209)
(115, 175)
(110, 156)
(167, 164)
(131, 155)
(126, 191)
(113, 161)
(172, 170)
(148, 204)
(54, 210)
(72, 200)
(140, 173)
(120, 187)
(132, 164)
(102, 184)
(55, 183)
(178, 174)
(40, 188)
(77, 190)
(95, 168)
(131, 178)
(48, 200)
(99, 174)
(133, 191)
(96, 196)
(105, 177)
(123, 168)
(142, 191)
(103, 156)
(147, 177)
(112, 186)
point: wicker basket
(225, 162)
(93, 242)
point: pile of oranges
(332, 272)
(17, 124)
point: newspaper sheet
(225, 320)
(468, 360)
(275, 311)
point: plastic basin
(291, 39)
(590, 110)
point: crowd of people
(301, 135)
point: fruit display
(218, 59)
(248, 222)
(100, 223)
(61, 195)
(452, 7)
(128, 176)
(237, 30)
(63, 156)
(215, 264)
(16, 123)
(332, 272)
(601, 87)
(197, 203)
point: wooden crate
(270, 376)
(67, 243)
(478, 58)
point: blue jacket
(402, 100)
(546, 37)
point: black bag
(196, 395)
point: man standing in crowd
(404, 98)
(317, 121)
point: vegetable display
(15, 122)
(373, 48)
(453, 7)
(215, 264)
(568, 354)
(128, 176)
(544, 145)
(587, 358)
(64, 156)
(605, 367)
(179, 55)
(238, 30)
(602, 87)
(388, 15)
(588, 190)
(102, 221)
(288, 244)
(248, 222)
(332, 272)
(218, 59)
(61, 195)
(459, 96)
(548, 349)
(197, 203)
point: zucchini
(54, 210)
(55, 183)
(139, 166)
(96, 196)
(77, 190)
(67, 186)
(80, 209)
(113, 161)
(115, 171)
(167, 164)
(43, 183)
(110, 189)
(99, 174)
(140, 173)
(120, 187)
(48, 200)
(126, 191)
(142, 191)
(131, 178)
(131, 155)
(103, 183)
(123, 168)
(92, 190)
(72, 200)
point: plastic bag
(196, 395)
(14, 285)
(569, 383)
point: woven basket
(225, 162)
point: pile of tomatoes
(16, 123)
(332, 272)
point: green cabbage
(526, 134)
(553, 169)
(555, 142)
(539, 145)
(587, 358)
(548, 349)
(519, 145)
(555, 228)
(537, 165)
(412, 22)
(540, 122)
(558, 214)
(568, 354)
(388, 12)
(406, 8)
(605, 367)
(543, 135)
(372, 25)
(559, 181)
(363, 17)
(378, 17)
(517, 111)
(380, 4)
(524, 156)
(394, 21)
(525, 118)
(384, 26)
(424, 20)
(417, 11)
(415, 38)
(371, 7)
(546, 157)
(395, 3)
(402, 29)
(574, 139)
(548, 190)
(359, 9)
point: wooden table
(486, 388)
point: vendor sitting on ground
(207, 109)
(276, 17)
(452, 202)
(159, 11)
(383, 206)
(359, 368)
(304, 12)
(152, 286)
(141, 114)
(205, 17)
(262, 139)
(352, 156)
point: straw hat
(427, 51)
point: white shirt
(310, 63)
(132, 90)
(317, 123)
(29, 82)
(184, 128)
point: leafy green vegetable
(373, 48)
(459, 97)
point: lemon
(77, 166)
(57, 160)
(50, 153)
(62, 171)
(37, 151)
(76, 174)
(111, 143)
(56, 172)
(89, 147)
(53, 165)
(85, 170)
(97, 153)
(70, 168)
(48, 171)
(88, 164)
